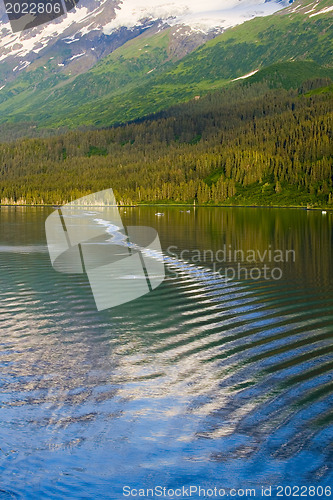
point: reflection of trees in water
(308, 233)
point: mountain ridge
(96, 27)
(144, 75)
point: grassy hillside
(292, 74)
(134, 61)
(141, 78)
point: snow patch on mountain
(20, 44)
(203, 16)
(323, 11)
(246, 76)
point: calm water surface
(203, 381)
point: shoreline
(299, 207)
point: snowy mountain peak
(95, 28)
(196, 14)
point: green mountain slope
(135, 60)
(131, 83)
(292, 74)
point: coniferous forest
(248, 144)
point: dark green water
(204, 381)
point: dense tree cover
(247, 144)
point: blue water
(203, 382)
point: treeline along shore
(246, 145)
